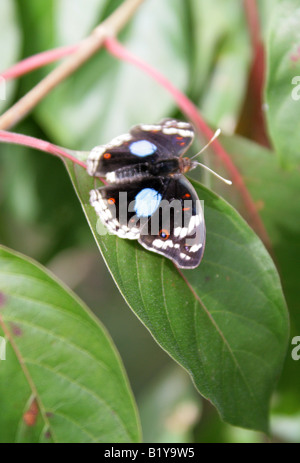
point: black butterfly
(149, 199)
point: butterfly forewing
(144, 144)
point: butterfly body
(137, 172)
(147, 197)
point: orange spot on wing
(111, 200)
(107, 155)
(164, 232)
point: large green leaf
(275, 191)
(224, 322)
(221, 56)
(60, 358)
(283, 81)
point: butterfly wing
(126, 208)
(180, 233)
(163, 214)
(145, 143)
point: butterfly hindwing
(177, 229)
(125, 209)
(165, 216)
(145, 143)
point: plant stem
(37, 61)
(252, 122)
(252, 18)
(87, 48)
(25, 140)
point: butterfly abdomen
(128, 174)
(147, 170)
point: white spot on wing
(111, 177)
(148, 127)
(180, 232)
(177, 231)
(183, 125)
(93, 159)
(180, 132)
(184, 256)
(142, 148)
(117, 141)
(146, 202)
(195, 247)
(162, 244)
(183, 232)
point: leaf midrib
(219, 331)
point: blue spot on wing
(142, 148)
(146, 202)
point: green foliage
(225, 322)
(61, 356)
(274, 189)
(283, 81)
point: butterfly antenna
(216, 134)
(229, 182)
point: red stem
(25, 140)
(253, 21)
(37, 61)
(252, 122)
(192, 113)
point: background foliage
(210, 61)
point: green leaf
(224, 322)
(274, 190)
(221, 60)
(60, 357)
(283, 81)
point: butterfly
(147, 197)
